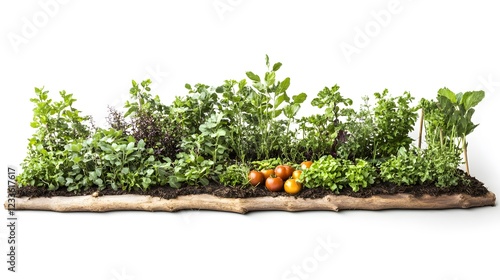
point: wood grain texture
(245, 205)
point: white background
(95, 48)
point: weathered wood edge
(244, 205)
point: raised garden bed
(239, 200)
(241, 147)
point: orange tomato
(255, 177)
(289, 169)
(296, 174)
(306, 164)
(292, 186)
(274, 184)
(268, 173)
(282, 172)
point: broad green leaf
(291, 110)
(300, 98)
(472, 98)
(174, 182)
(276, 113)
(277, 66)
(270, 78)
(133, 108)
(459, 98)
(280, 99)
(221, 132)
(130, 146)
(141, 144)
(260, 87)
(204, 181)
(283, 86)
(98, 182)
(448, 94)
(253, 76)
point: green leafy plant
(334, 173)
(271, 100)
(56, 123)
(235, 175)
(324, 133)
(377, 133)
(449, 119)
(415, 166)
(112, 159)
(407, 168)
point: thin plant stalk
(421, 129)
(464, 147)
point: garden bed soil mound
(469, 185)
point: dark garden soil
(469, 185)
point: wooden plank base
(245, 205)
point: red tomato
(274, 184)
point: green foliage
(150, 120)
(334, 174)
(324, 133)
(253, 122)
(56, 123)
(107, 159)
(270, 163)
(422, 166)
(360, 175)
(449, 119)
(379, 132)
(271, 101)
(192, 169)
(407, 168)
(111, 159)
(235, 175)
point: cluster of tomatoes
(282, 177)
